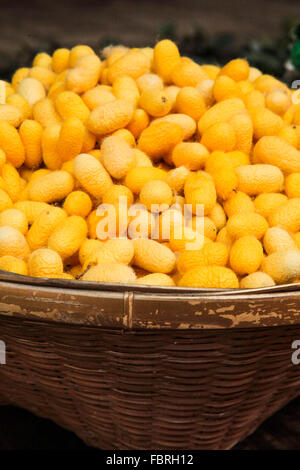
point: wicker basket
(146, 368)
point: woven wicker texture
(144, 369)
(160, 389)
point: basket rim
(124, 307)
(112, 287)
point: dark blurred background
(209, 31)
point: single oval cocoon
(91, 174)
(276, 151)
(68, 236)
(32, 90)
(257, 179)
(110, 272)
(52, 187)
(152, 256)
(110, 116)
(282, 266)
(117, 156)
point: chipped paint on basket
(138, 310)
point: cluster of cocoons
(150, 127)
